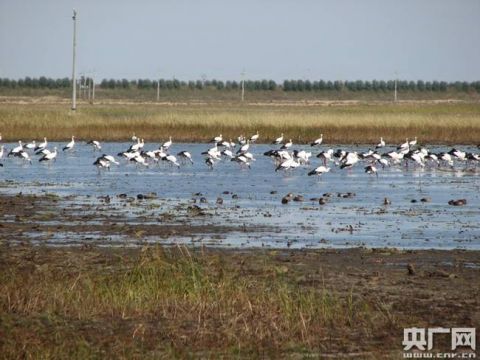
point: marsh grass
(446, 123)
(170, 302)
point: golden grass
(447, 123)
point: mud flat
(94, 300)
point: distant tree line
(250, 85)
(177, 84)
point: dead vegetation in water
(444, 122)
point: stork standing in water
(185, 155)
(70, 145)
(349, 160)
(96, 145)
(326, 156)
(404, 147)
(24, 155)
(102, 163)
(217, 139)
(241, 140)
(244, 148)
(370, 169)
(255, 137)
(318, 141)
(319, 171)
(380, 144)
(209, 162)
(50, 156)
(288, 164)
(413, 142)
(172, 160)
(139, 159)
(166, 145)
(287, 145)
(41, 146)
(31, 145)
(16, 150)
(278, 140)
(241, 159)
(2, 151)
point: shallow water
(358, 221)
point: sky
(268, 39)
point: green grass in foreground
(449, 123)
(165, 303)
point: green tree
(420, 85)
(308, 85)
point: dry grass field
(82, 303)
(440, 122)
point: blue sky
(187, 39)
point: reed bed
(444, 123)
(169, 302)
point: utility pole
(74, 80)
(395, 91)
(93, 89)
(158, 90)
(89, 89)
(243, 85)
(84, 86)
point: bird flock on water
(284, 156)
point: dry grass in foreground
(163, 303)
(445, 123)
